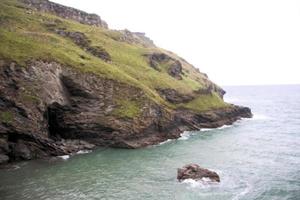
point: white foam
(192, 183)
(64, 157)
(224, 126)
(166, 141)
(207, 129)
(185, 135)
(83, 151)
(203, 183)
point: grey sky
(236, 42)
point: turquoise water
(256, 158)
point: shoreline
(185, 135)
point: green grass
(25, 36)
(30, 98)
(127, 108)
(6, 117)
(205, 102)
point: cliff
(68, 83)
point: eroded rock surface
(135, 38)
(195, 172)
(66, 12)
(47, 109)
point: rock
(81, 40)
(174, 67)
(66, 12)
(195, 172)
(21, 151)
(3, 159)
(99, 52)
(135, 38)
(4, 146)
(175, 70)
(174, 96)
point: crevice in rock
(74, 89)
(53, 116)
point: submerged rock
(195, 172)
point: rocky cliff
(68, 83)
(66, 12)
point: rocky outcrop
(66, 12)
(48, 109)
(211, 87)
(173, 96)
(135, 38)
(175, 70)
(174, 67)
(195, 172)
(81, 40)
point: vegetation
(6, 117)
(26, 35)
(127, 108)
(206, 102)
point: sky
(236, 42)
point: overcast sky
(236, 42)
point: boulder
(195, 172)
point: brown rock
(195, 172)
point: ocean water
(256, 158)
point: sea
(257, 159)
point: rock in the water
(195, 172)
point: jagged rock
(99, 52)
(174, 66)
(80, 106)
(81, 40)
(66, 12)
(135, 38)
(156, 58)
(173, 96)
(175, 70)
(195, 172)
(52, 109)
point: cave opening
(53, 115)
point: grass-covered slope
(27, 34)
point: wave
(224, 127)
(185, 135)
(212, 129)
(166, 141)
(83, 152)
(64, 157)
(203, 183)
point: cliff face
(66, 12)
(67, 86)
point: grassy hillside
(25, 35)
